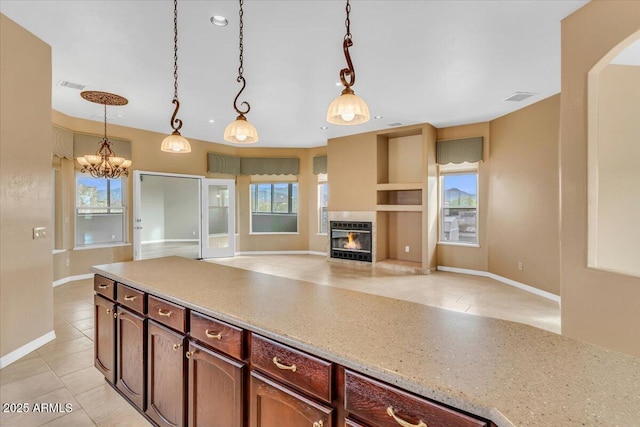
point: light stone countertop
(509, 373)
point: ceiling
(442, 62)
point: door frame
(204, 216)
(137, 233)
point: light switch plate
(39, 233)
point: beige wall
(598, 307)
(473, 258)
(26, 297)
(146, 156)
(617, 244)
(523, 213)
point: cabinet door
(215, 389)
(105, 337)
(273, 405)
(130, 355)
(166, 376)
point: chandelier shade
(104, 163)
(241, 131)
(175, 143)
(348, 109)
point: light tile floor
(62, 371)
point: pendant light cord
(176, 123)
(348, 72)
(240, 78)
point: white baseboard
(147, 242)
(530, 289)
(18, 353)
(280, 253)
(72, 278)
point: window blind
(319, 165)
(459, 150)
(221, 163)
(62, 143)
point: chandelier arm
(176, 123)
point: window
(100, 210)
(459, 204)
(323, 203)
(274, 207)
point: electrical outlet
(406, 249)
(520, 266)
(110, 256)
(39, 233)
(193, 233)
(66, 262)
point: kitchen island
(508, 373)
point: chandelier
(105, 163)
(241, 131)
(348, 108)
(175, 143)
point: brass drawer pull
(130, 298)
(108, 310)
(115, 315)
(164, 313)
(318, 424)
(103, 286)
(402, 422)
(291, 368)
(177, 346)
(190, 353)
(214, 335)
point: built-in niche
(614, 156)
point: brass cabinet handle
(190, 353)
(402, 422)
(108, 310)
(318, 424)
(164, 313)
(214, 335)
(130, 298)
(103, 286)
(291, 368)
(115, 315)
(177, 346)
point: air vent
(520, 96)
(394, 124)
(71, 85)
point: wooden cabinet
(218, 335)
(166, 376)
(215, 389)
(105, 338)
(385, 406)
(273, 405)
(130, 350)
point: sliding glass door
(218, 218)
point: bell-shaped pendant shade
(348, 109)
(241, 131)
(175, 143)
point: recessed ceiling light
(211, 121)
(338, 83)
(324, 127)
(377, 117)
(219, 21)
(119, 116)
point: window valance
(221, 163)
(319, 165)
(89, 144)
(62, 143)
(459, 150)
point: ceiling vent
(71, 85)
(394, 124)
(520, 96)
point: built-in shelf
(399, 208)
(399, 186)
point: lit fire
(352, 244)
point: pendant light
(241, 131)
(104, 163)
(175, 143)
(348, 108)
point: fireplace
(351, 240)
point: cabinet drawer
(300, 370)
(105, 287)
(167, 313)
(216, 334)
(131, 298)
(351, 423)
(386, 406)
